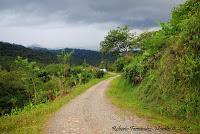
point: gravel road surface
(92, 113)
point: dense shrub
(80, 75)
(50, 90)
(170, 65)
(13, 93)
(105, 64)
(44, 76)
(99, 73)
(54, 69)
(27, 83)
(121, 62)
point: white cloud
(56, 35)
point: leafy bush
(80, 75)
(44, 76)
(27, 83)
(51, 90)
(13, 93)
(105, 64)
(54, 69)
(99, 73)
(170, 60)
(121, 62)
(137, 69)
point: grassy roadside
(123, 95)
(32, 118)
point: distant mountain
(9, 52)
(37, 47)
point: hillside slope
(165, 76)
(9, 52)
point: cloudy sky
(77, 23)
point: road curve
(92, 113)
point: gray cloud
(62, 16)
(136, 13)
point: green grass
(125, 96)
(33, 118)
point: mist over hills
(9, 52)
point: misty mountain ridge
(42, 55)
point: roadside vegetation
(160, 69)
(32, 118)
(27, 83)
(30, 92)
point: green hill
(9, 52)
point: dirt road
(92, 113)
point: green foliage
(153, 43)
(127, 97)
(53, 69)
(117, 41)
(13, 93)
(121, 62)
(9, 52)
(99, 74)
(167, 70)
(175, 87)
(6, 62)
(108, 65)
(184, 12)
(50, 90)
(33, 117)
(27, 83)
(136, 70)
(65, 57)
(31, 71)
(80, 75)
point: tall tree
(30, 70)
(64, 58)
(117, 41)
